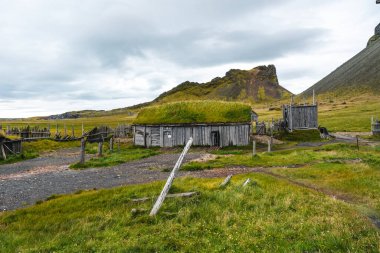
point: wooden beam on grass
(246, 182)
(226, 181)
(170, 180)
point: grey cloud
(57, 49)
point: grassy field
(271, 216)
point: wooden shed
(209, 123)
(297, 117)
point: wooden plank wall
(301, 117)
(230, 135)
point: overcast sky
(58, 56)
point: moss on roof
(195, 112)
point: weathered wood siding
(178, 135)
(375, 126)
(301, 117)
(13, 147)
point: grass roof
(195, 112)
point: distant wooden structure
(123, 131)
(29, 132)
(300, 117)
(254, 117)
(212, 134)
(99, 134)
(375, 126)
(261, 128)
(9, 147)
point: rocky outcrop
(257, 84)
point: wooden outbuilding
(209, 123)
(299, 117)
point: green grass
(125, 154)
(293, 157)
(355, 174)
(195, 112)
(299, 136)
(36, 148)
(272, 216)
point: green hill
(360, 74)
(256, 85)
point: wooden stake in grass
(226, 181)
(269, 145)
(100, 149)
(169, 182)
(357, 141)
(253, 148)
(246, 182)
(3, 151)
(111, 144)
(82, 151)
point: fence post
(357, 141)
(82, 150)
(111, 144)
(72, 131)
(3, 151)
(269, 145)
(169, 182)
(65, 129)
(100, 148)
(253, 148)
(82, 129)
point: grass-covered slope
(195, 112)
(272, 216)
(360, 74)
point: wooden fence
(123, 131)
(28, 132)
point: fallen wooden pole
(169, 182)
(226, 181)
(246, 182)
(175, 195)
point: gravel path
(26, 182)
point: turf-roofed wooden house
(209, 123)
